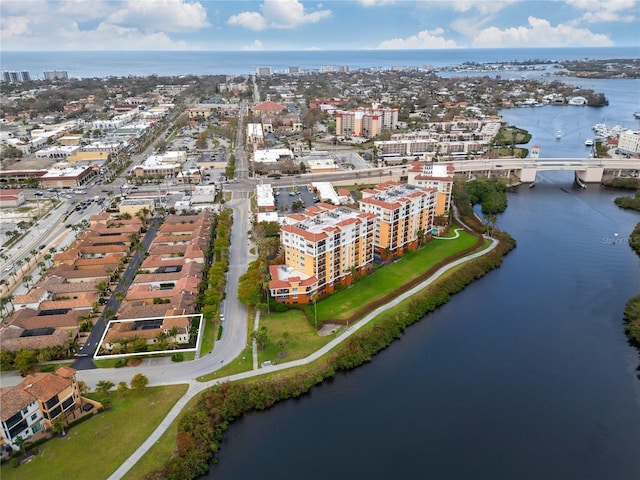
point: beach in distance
(101, 64)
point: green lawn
(162, 450)
(97, 447)
(344, 303)
(303, 338)
(208, 336)
(242, 363)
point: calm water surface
(526, 374)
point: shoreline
(341, 359)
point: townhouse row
(163, 293)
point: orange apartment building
(405, 214)
(323, 247)
(438, 176)
(366, 122)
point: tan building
(134, 205)
(405, 215)
(70, 140)
(437, 176)
(67, 177)
(365, 122)
(11, 198)
(100, 157)
(323, 247)
(201, 111)
(37, 402)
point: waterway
(526, 374)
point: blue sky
(321, 25)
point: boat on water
(637, 115)
(559, 134)
(588, 142)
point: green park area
(385, 280)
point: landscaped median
(200, 429)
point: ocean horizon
(102, 64)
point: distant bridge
(588, 170)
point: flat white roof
(271, 155)
(326, 191)
(264, 195)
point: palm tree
(26, 279)
(19, 264)
(102, 288)
(6, 300)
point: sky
(68, 25)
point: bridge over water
(587, 170)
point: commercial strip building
(169, 164)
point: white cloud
(278, 14)
(539, 33)
(484, 7)
(256, 45)
(426, 39)
(375, 3)
(250, 20)
(160, 15)
(606, 10)
(98, 24)
(82, 10)
(114, 37)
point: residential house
(37, 403)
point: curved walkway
(196, 387)
(455, 230)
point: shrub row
(216, 279)
(200, 430)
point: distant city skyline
(68, 25)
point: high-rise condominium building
(405, 215)
(323, 247)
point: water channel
(526, 374)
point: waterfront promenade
(197, 387)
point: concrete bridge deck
(587, 169)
